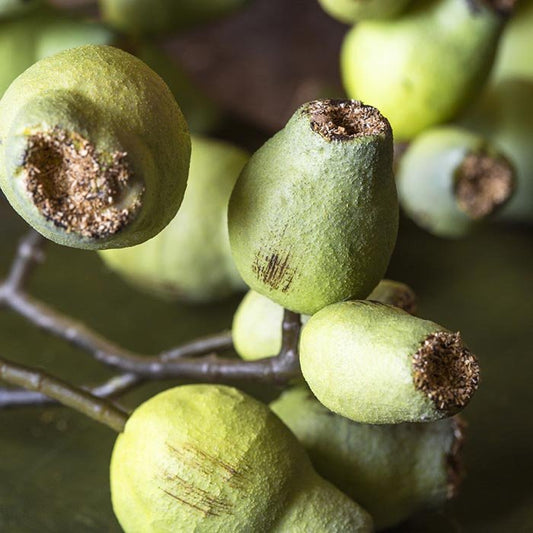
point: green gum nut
(392, 470)
(449, 180)
(425, 67)
(210, 458)
(94, 148)
(191, 258)
(314, 215)
(376, 364)
(42, 33)
(256, 328)
(145, 17)
(350, 11)
(504, 114)
(11, 8)
(514, 53)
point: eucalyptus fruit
(314, 214)
(504, 114)
(376, 364)
(426, 66)
(449, 180)
(140, 17)
(211, 458)
(256, 328)
(94, 148)
(351, 11)
(191, 258)
(39, 34)
(392, 470)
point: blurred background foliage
(256, 66)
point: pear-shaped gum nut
(42, 33)
(210, 458)
(351, 11)
(449, 180)
(94, 149)
(142, 17)
(392, 470)
(191, 258)
(504, 114)
(11, 8)
(377, 364)
(256, 328)
(514, 52)
(314, 215)
(425, 67)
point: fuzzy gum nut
(392, 470)
(210, 458)
(449, 180)
(377, 364)
(425, 67)
(514, 52)
(314, 215)
(145, 17)
(94, 148)
(10, 8)
(42, 33)
(350, 11)
(504, 114)
(256, 328)
(191, 258)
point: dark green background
(54, 462)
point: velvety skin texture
(392, 470)
(210, 458)
(140, 17)
(357, 359)
(504, 114)
(426, 66)
(116, 103)
(514, 53)
(350, 11)
(427, 177)
(256, 328)
(313, 221)
(191, 258)
(40, 34)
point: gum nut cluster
(313, 217)
(191, 259)
(142, 17)
(427, 65)
(97, 157)
(377, 364)
(392, 470)
(256, 328)
(210, 458)
(449, 180)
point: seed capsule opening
(342, 120)
(77, 188)
(454, 459)
(483, 184)
(446, 371)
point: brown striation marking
(273, 269)
(204, 509)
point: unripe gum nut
(351, 11)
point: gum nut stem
(376, 364)
(449, 180)
(190, 260)
(96, 157)
(426, 66)
(313, 217)
(351, 11)
(211, 458)
(504, 114)
(256, 328)
(392, 470)
(153, 17)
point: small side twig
(36, 380)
